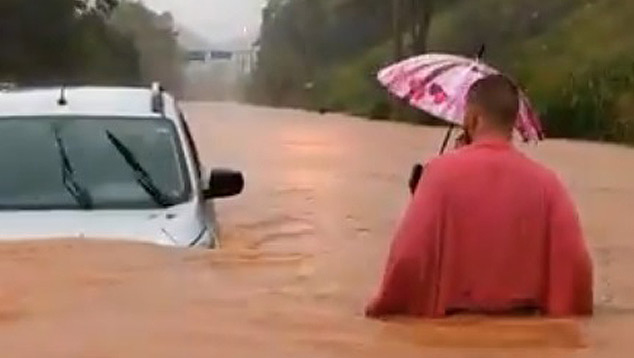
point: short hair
(499, 97)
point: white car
(104, 163)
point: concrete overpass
(245, 60)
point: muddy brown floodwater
(302, 250)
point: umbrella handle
(414, 179)
(445, 142)
(481, 52)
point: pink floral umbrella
(438, 84)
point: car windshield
(90, 163)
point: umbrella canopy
(438, 84)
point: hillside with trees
(574, 57)
(86, 42)
(155, 38)
(63, 40)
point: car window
(33, 164)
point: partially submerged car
(112, 163)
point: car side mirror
(224, 183)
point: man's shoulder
(450, 157)
(445, 165)
(455, 159)
(469, 158)
(466, 165)
(546, 174)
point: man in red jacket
(488, 230)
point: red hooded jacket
(488, 230)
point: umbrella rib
(532, 118)
(438, 72)
(412, 71)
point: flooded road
(302, 251)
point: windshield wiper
(79, 193)
(141, 175)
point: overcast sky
(216, 20)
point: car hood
(177, 226)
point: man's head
(492, 107)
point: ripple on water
(248, 257)
(282, 232)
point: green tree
(301, 38)
(154, 36)
(421, 12)
(51, 41)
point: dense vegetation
(83, 41)
(154, 37)
(301, 40)
(54, 40)
(574, 57)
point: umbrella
(438, 84)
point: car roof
(85, 101)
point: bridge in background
(245, 59)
